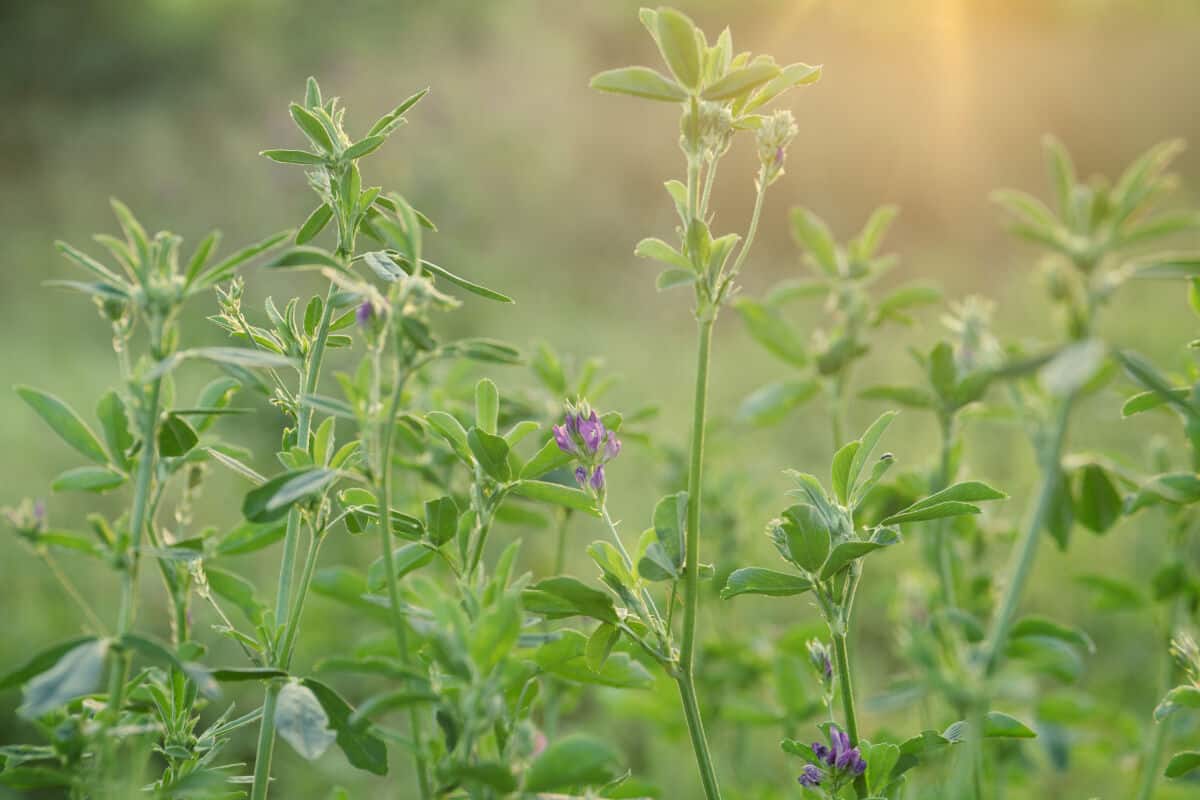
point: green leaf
(293, 157)
(741, 81)
(315, 223)
(757, 580)
(491, 453)
(302, 722)
(233, 356)
(1185, 696)
(250, 538)
(237, 590)
(176, 437)
(806, 533)
(462, 283)
(813, 235)
(640, 82)
(769, 329)
(495, 633)
(1035, 625)
(791, 76)
(557, 494)
(41, 662)
(676, 37)
(566, 657)
(76, 673)
(937, 511)
(272, 500)
(1097, 502)
(303, 256)
(563, 596)
(441, 519)
(670, 525)
(1182, 763)
(1145, 401)
(88, 479)
(950, 502)
(659, 250)
(881, 759)
(311, 127)
(224, 269)
(771, 403)
(114, 423)
(574, 761)
(364, 147)
(840, 470)
(1168, 266)
(487, 406)
(65, 422)
(998, 725)
(846, 552)
(405, 559)
(908, 396)
(1112, 594)
(1148, 377)
(244, 674)
(964, 491)
(869, 440)
(388, 121)
(549, 458)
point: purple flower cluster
(585, 437)
(836, 762)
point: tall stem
(1050, 457)
(1150, 766)
(691, 578)
(842, 656)
(287, 566)
(1026, 552)
(944, 554)
(399, 624)
(119, 660)
(691, 711)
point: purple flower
(365, 313)
(581, 476)
(597, 481)
(592, 431)
(838, 762)
(562, 437)
(612, 447)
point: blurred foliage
(928, 105)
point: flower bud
(776, 133)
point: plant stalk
(1050, 457)
(118, 658)
(841, 655)
(691, 579)
(399, 624)
(287, 567)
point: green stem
(945, 563)
(119, 660)
(287, 567)
(1150, 766)
(691, 710)
(691, 579)
(1026, 552)
(399, 624)
(1050, 457)
(841, 655)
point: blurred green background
(541, 188)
